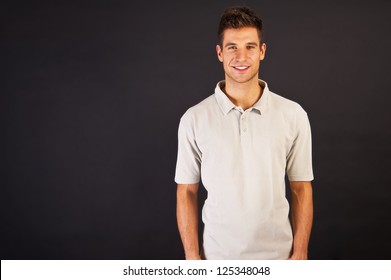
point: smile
(241, 68)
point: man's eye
(250, 47)
(232, 48)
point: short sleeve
(299, 158)
(189, 156)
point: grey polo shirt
(242, 157)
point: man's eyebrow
(234, 44)
(229, 44)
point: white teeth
(241, 67)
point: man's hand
(193, 257)
(299, 256)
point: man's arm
(187, 217)
(301, 217)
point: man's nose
(240, 55)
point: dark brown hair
(238, 17)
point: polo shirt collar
(226, 104)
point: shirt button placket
(243, 123)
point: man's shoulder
(284, 104)
(209, 103)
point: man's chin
(242, 80)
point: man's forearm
(187, 217)
(301, 216)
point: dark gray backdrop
(92, 93)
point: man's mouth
(241, 68)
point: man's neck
(244, 95)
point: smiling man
(241, 142)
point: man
(241, 141)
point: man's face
(241, 54)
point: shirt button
(244, 129)
(243, 118)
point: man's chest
(248, 133)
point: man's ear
(263, 51)
(219, 52)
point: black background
(92, 93)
